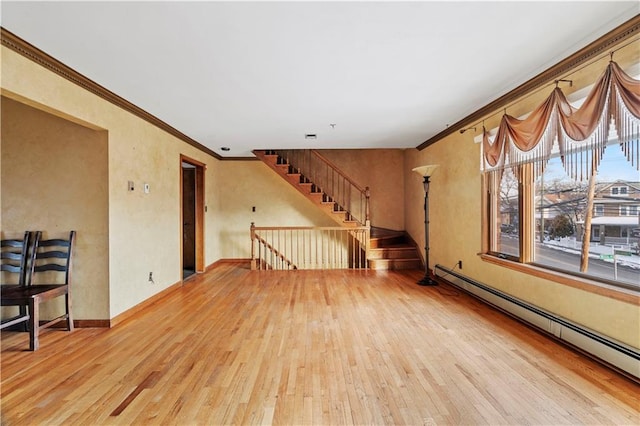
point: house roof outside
(615, 220)
(616, 200)
(603, 186)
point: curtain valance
(581, 133)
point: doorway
(192, 216)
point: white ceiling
(252, 75)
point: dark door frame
(199, 225)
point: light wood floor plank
(235, 346)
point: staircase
(392, 250)
(332, 207)
(347, 207)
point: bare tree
(563, 197)
(509, 196)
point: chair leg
(34, 324)
(24, 326)
(67, 299)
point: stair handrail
(267, 245)
(332, 165)
(331, 180)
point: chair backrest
(14, 254)
(52, 255)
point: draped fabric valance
(581, 133)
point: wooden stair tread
(408, 259)
(377, 232)
(393, 264)
(394, 247)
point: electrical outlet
(459, 264)
(151, 277)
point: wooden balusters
(309, 247)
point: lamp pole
(426, 172)
(426, 280)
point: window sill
(591, 286)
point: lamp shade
(426, 170)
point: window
(599, 210)
(559, 209)
(509, 240)
(619, 190)
(552, 202)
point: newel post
(367, 194)
(253, 252)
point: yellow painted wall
(144, 229)
(245, 184)
(382, 171)
(55, 180)
(455, 234)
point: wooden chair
(52, 257)
(14, 255)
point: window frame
(525, 261)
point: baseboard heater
(602, 348)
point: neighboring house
(509, 214)
(564, 202)
(616, 208)
(616, 211)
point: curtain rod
(555, 82)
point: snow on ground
(571, 245)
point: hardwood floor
(236, 346)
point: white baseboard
(600, 347)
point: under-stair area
(344, 202)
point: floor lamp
(426, 172)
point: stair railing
(304, 247)
(330, 180)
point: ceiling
(256, 75)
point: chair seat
(15, 294)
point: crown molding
(598, 47)
(20, 46)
